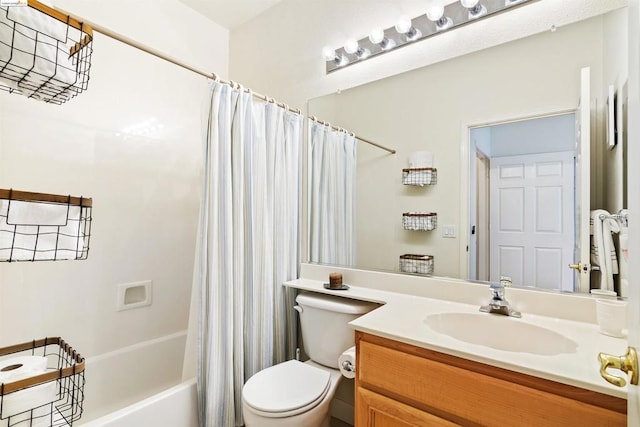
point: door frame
(633, 175)
(465, 182)
(482, 235)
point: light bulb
(331, 56)
(403, 26)
(476, 9)
(376, 36)
(351, 46)
(435, 12)
(328, 53)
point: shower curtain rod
(131, 42)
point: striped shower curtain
(247, 247)
(332, 203)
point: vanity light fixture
(411, 33)
(476, 9)
(330, 55)
(437, 19)
(436, 14)
(377, 37)
(352, 47)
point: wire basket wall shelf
(41, 384)
(44, 54)
(419, 221)
(420, 176)
(44, 227)
(416, 263)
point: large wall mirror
(513, 104)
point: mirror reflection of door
(522, 202)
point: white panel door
(532, 219)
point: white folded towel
(603, 251)
(47, 61)
(421, 159)
(49, 230)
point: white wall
(543, 135)
(615, 72)
(145, 190)
(279, 53)
(427, 108)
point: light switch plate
(449, 231)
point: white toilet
(296, 394)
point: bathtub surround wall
(145, 190)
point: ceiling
(230, 13)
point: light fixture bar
(392, 39)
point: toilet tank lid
(334, 303)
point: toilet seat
(286, 389)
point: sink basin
(501, 333)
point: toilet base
(312, 418)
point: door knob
(579, 267)
(627, 363)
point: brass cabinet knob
(627, 363)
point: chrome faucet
(499, 303)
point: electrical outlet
(449, 231)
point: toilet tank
(324, 321)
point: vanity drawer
(376, 410)
(469, 393)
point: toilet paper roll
(19, 368)
(347, 363)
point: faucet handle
(506, 281)
(497, 290)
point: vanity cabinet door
(420, 385)
(376, 410)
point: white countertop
(402, 318)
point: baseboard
(342, 410)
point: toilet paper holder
(65, 372)
(348, 366)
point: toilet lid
(286, 387)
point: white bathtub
(142, 380)
(176, 406)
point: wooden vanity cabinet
(402, 385)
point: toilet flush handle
(297, 308)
